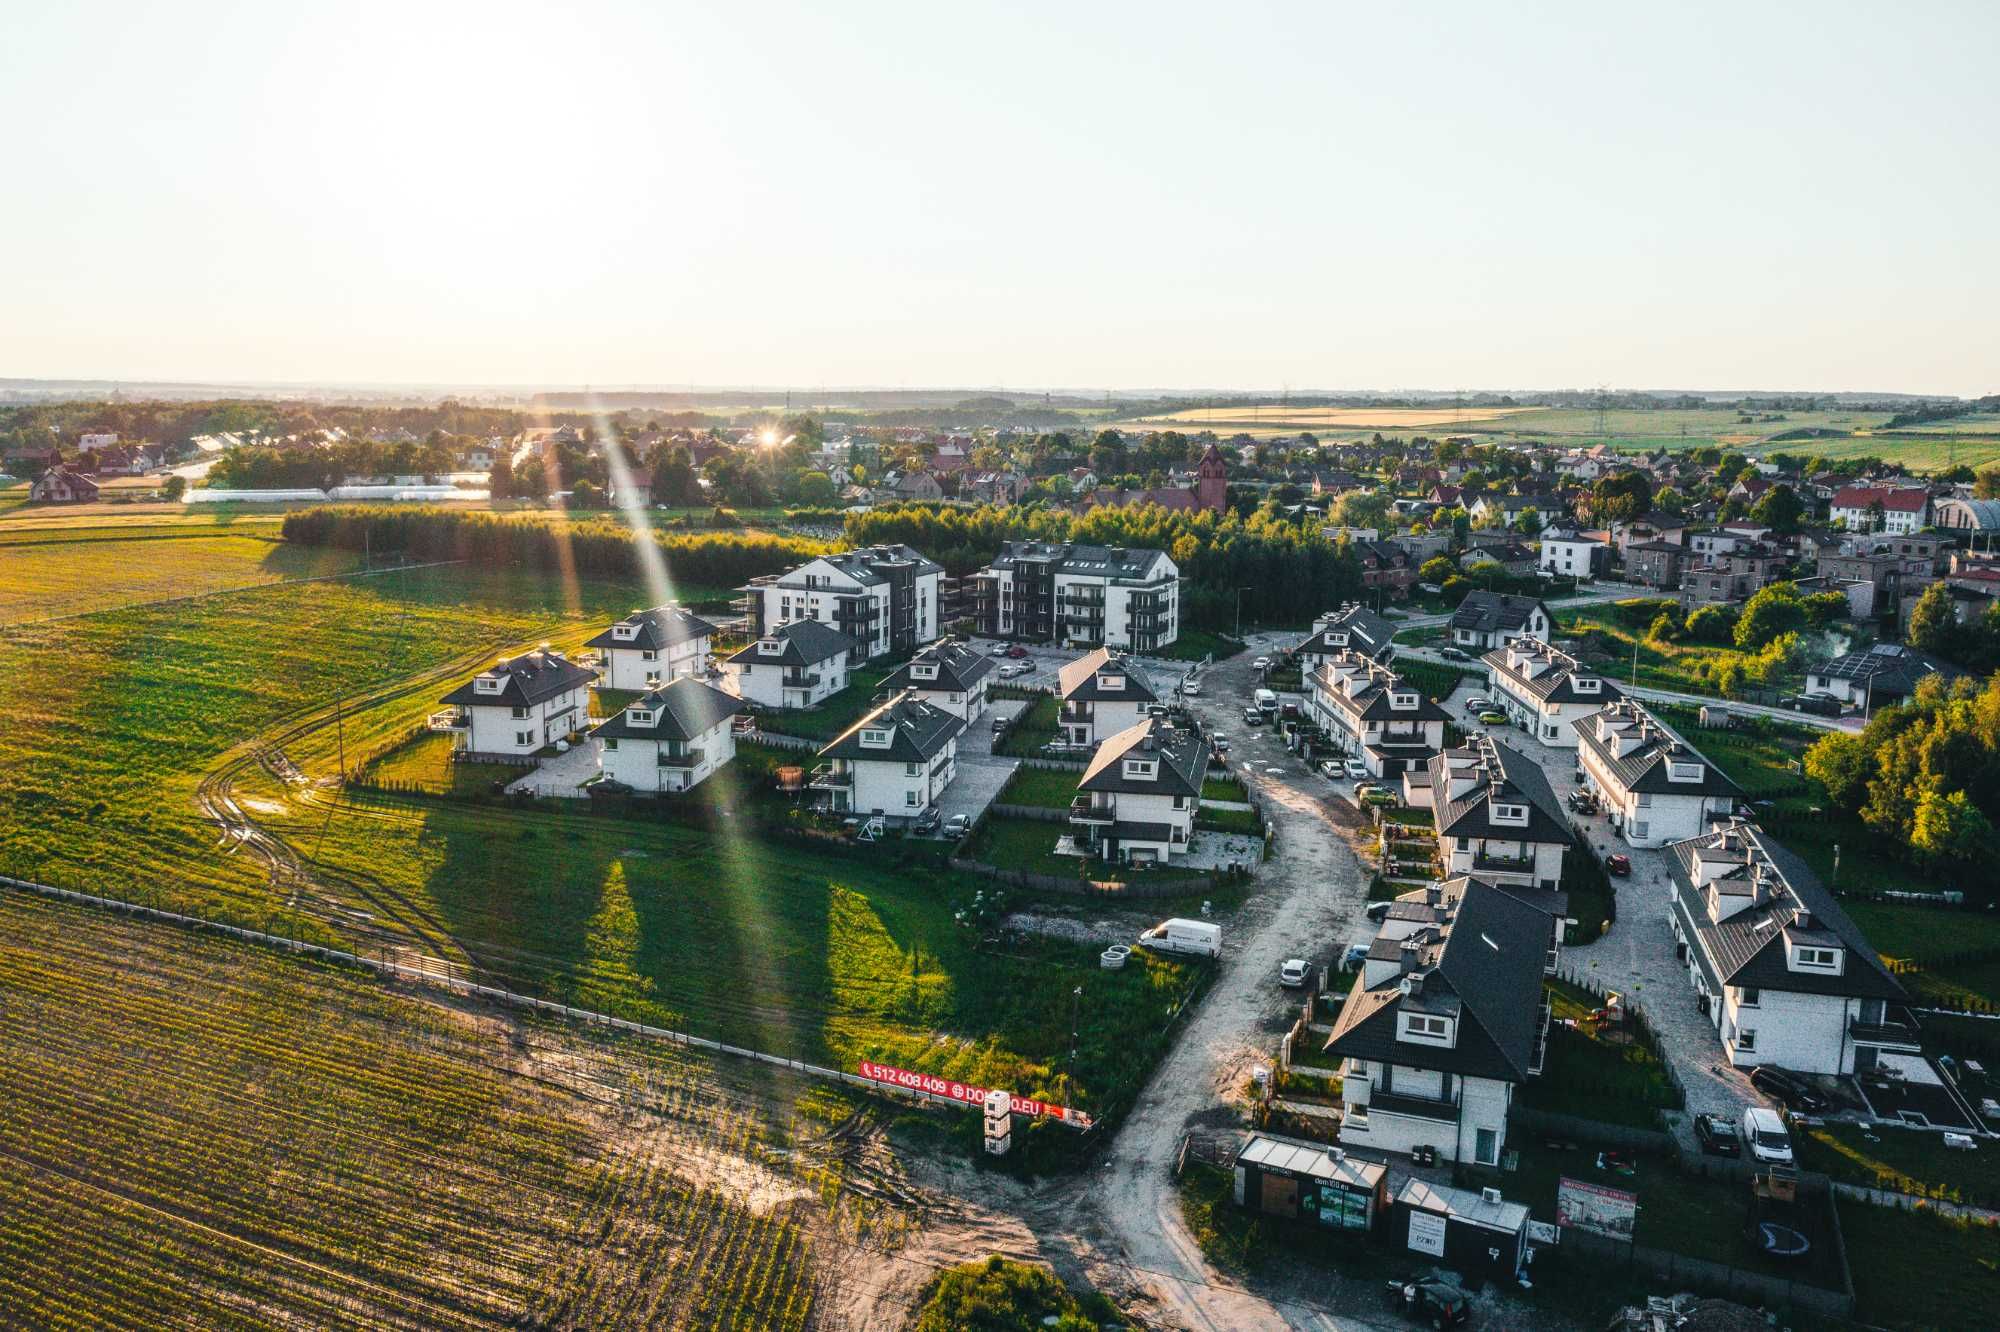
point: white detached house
(795, 665)
(519, 705)
(947, 675)
(650, 648)
(1103, 694)
(896, 761)
(1546, 691)
(1137, 800)
(670, 739)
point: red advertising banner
(946, 1089)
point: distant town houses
(1782, 973)
(948, 675)
(63, 485)
(1567, 553)
(1882, 508)
(1545, 690)
(1373, 714)
(882, 598)
(1446, 1018)
(1509, 557)
(520, 705)
(1487, 620)
(795, 665)
(671, 738)
(1136, 802)
(893, 763)
(1655, 787)
(649, 648)
(1066, 592)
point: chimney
(1803, 920)
(1490, 1195)
(1407, 954)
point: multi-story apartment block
(882, 598)
(1061, 592)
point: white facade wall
(1897, 521)
(1806, 1033)
(1570, 558)
(1550, 723)
(1545, 871)
(764, 682)
(642, 669)
(1482, 1103)
(884, 786)
(1133, 808)
(494, 729)
(1661, 818)
(637, 762)
(970, 704)
(1107, 718)
(1536, 627)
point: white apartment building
(896, 761)
(1447, 1017)
(670, 739)
(1103, 694)
(793, 666)
(1497, 818)
(520, 704)
(1367, 710)
(650, 648)
(1137, 800)
(1546, 691)
(883, 598)
(1656, 788)
(1783, 973)
(1568, 554)
(1062, 592)
(949, 675)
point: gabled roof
(918, 731)
(1748, 947)
(527, 680)
(1556, 680)
(1352, 626)
(803, 643)
(1645, 768)
(1487, 612)
(959, 668)
(1182, 752)
(1483, 967)
(657, 629)
(1899, 499)
(1501, 776)
(1068, 557)
(683, 710)
(1077, 680)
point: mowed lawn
(1959, 951)
(49, 574)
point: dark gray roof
(1487, 612)
(1181, 750)
(529, 679)
(1506, 776)
(1077, 680)
(1645, 768)
(1555, 684)
(658, 629)
(1354, 627)
(1748, 948)
(959, 668)
(871, 564)
(685, 709)
(917, 732)
(1484, 966)
(1893, 667)
(805, 643)
(1073, 558)
(1370, 700)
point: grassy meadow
(51, 575)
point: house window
(1817, 957)
(910, 798)
(648, 654)
(1486, 1147)
(1748, 997)
(1746, 1039)
(610, 744)
(518, 714)
(1418, 1024)
(524, 737)
(910, 769)
(1639, 830)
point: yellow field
(1285, 419)
(79, 571)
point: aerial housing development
(1063, 592)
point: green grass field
(201, 1132)
(1919, 1271)
(1934, 938)
(1593, 1075)
(1757, 754)
(1048, 788)
(50, 573)
(1902, 1160)
(1682, 667)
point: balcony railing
(1084, 810)
(1503, 864)
(1898, 1027)
(831, 775)
(1412, 1107)
(1536, 1060)
(801, 679)
(691, 759)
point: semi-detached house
(1497, 818)
(520, 704)
(1546, 691)
(896, 761)
(1137, 799)
(1779, 969)
(792, 666)
(1655, 787)
(1103, 693)
(946, 674)
(1446, 1019)
(669, 739)
(649, 648)
(1369, 711)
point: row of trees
(1934, 628)
(1925, 775)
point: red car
(1620, 865)
(1017, 652)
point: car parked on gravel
(1618, 863)
(1717, 1136)
(1791, 1088)
(1293, 973)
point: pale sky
(1084, 195)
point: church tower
(1211, 490)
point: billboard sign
(965, 1093)
(1584, 1206)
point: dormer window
(1585, 684)
(1111, 682)
(873, 738)
(1426, 1027)
(488, 684)
(625, 631)
(1402, 701)
(1816, 959)
(1141, 769)
(769, 647)
(1510, 814)
(1679, 771)
(642, 716)
(923, 670)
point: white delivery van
(1765, 1136)
(1266, 701)
(1184, 936)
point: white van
(1765, 1136)
(1266, 701)
(1184, 936)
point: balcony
(801, 679)
(1412, 1107)
(1540, 1056)
(1495, 863)
(829, 776)
(1085, 810)
(690, 759)
(450, 719)
(1898, 1030)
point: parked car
(1764, 1134)
(928, 821)
(1819, 705)
(1261, 664)
(1378, 911)
(1356, 768)
(1478, 703)
(1618, 863)
(1793, 1090)
(1192, 689)
(1355, 955)
(1014, 668)
(1330, 769)
(1221, 743)
(1293, 973)
(1717, 1136)
(1252, 717)
(1017, 652)
(997, 650)
(1582, 801)
(1492, 718)
(999, 725)
(1200, 937)
(1379, 796)
(1438, 1303)
(1453, 653)
(957, 826)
